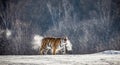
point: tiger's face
(68, 44)
(63, 41)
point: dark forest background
(91, 25)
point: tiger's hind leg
(41, 51)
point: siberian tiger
(53, 44)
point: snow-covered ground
(87, 59)
(92, 59)
(110, 52)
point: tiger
(53, 44)
(42, 44)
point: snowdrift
(109, 52)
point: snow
(8, 33)
(110, 52)
(88, 59)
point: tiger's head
(68, 44)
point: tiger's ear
(65, 37)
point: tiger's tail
(36, 42)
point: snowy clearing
(90, 59)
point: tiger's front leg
(64, 50)
(46, 51)
(54, 51)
